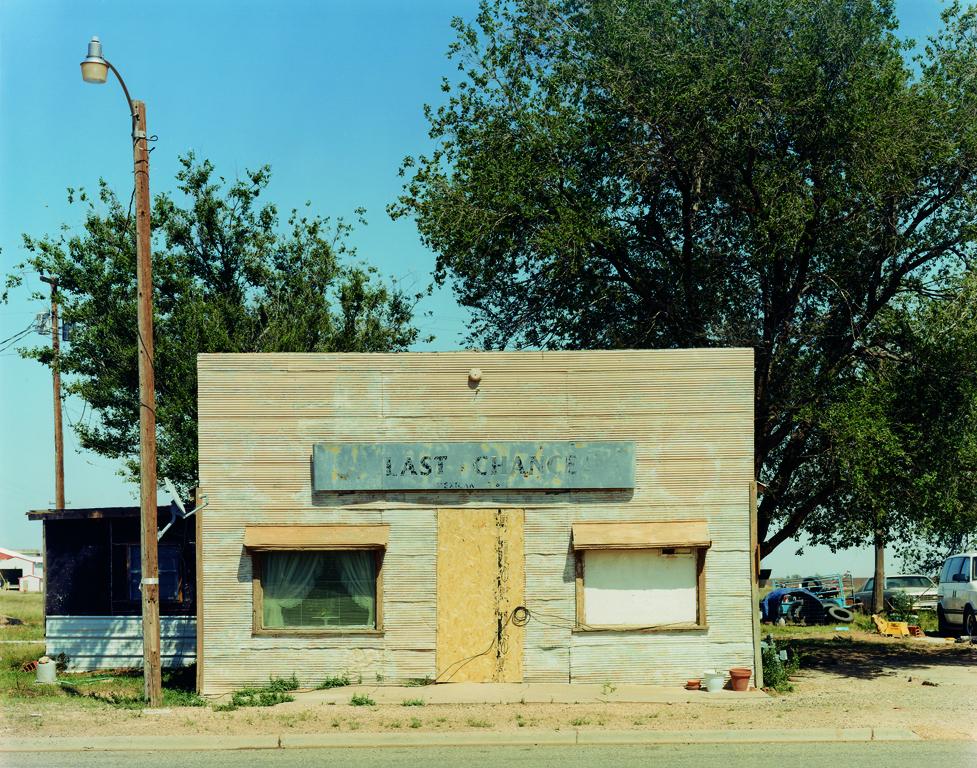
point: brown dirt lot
(850, 681)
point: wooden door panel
(480, 580)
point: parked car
(919, 587)
(957, 594)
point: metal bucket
(46, 669)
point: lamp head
(94, 69)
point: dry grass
(26, 606)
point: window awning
(316, 536)
(675, 533)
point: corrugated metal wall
(115, 642)
(690, 413)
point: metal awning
(291, 537)
(640, 535)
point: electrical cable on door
(520, 616)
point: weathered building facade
(533, 516)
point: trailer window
(169, 572)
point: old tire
(796, 612)
(970, 622)
(840, 614)
(943, 626)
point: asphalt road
(949, 754)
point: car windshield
(907, 582)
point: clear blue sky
(329, 93)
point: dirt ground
(852, 681)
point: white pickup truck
(957, 595)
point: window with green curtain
(319, 590)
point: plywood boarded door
(481, 579)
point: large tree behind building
(698, 173)
(904, 437)
(227, 278)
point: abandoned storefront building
(92, 598)
(526, 516)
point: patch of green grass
(928, 621)
(177, 698)
(291, 719)
(417, 682)
(861, 623)
(276, 692)
(476, 723)
(362, 700)
(578, 721)
(122, 689)
(415, 723)
(413, 703)
(282, 684)
(394, 724)
(259, 697)
(14, 682)
(608, 688)
(339, 681)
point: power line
(17, 335)
(13, 340)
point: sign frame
(544, 465)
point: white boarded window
(639, 587)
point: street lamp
(94, 69)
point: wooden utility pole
(56, 375)
(147, 414)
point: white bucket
(45, 671)
(714, 681)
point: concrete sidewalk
(527, 693)
(459, 738)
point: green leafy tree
(904, 438)
(770, 174)
(227, 278)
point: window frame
(946, 575)
(965, 568)
(257, 612)
(132, 557)
(701, 623)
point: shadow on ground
(868, 660)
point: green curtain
(359, 573)
(287, 578)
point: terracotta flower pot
(692, 685)
(740, 678)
